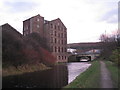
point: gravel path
(106, 81)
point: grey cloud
(110, 16)
(119, 12)
(20, 6)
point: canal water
(76, 68)
(57, 77)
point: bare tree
(110, 43)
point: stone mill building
(54, 31)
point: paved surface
(106, 81)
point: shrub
(11, 49)
(37, 39)
(18, 50)
(115, 57)
(47, 58)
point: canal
(59, 76)
(76, 68)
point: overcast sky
(85, 20)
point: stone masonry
(54, 31)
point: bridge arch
(81, 58)
(77, 58)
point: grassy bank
(11, 70)
(114, 72)
(88, 79)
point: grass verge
(88, 79)
(114, 73)
(11, 70)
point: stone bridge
(89, 57)
(88, 51)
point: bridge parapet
(92, 56)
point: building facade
(54, 31)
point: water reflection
(75, 69)
(54, 78)
(57, 77)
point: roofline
(58, 19)
(33, 17)
(46, 20)
(11, 27)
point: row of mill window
(58, 41)
(62, 57)
(57, 27)
(58, 49)
(60, 35)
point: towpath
(106, 81)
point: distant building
(72, 51)
(54, 31)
